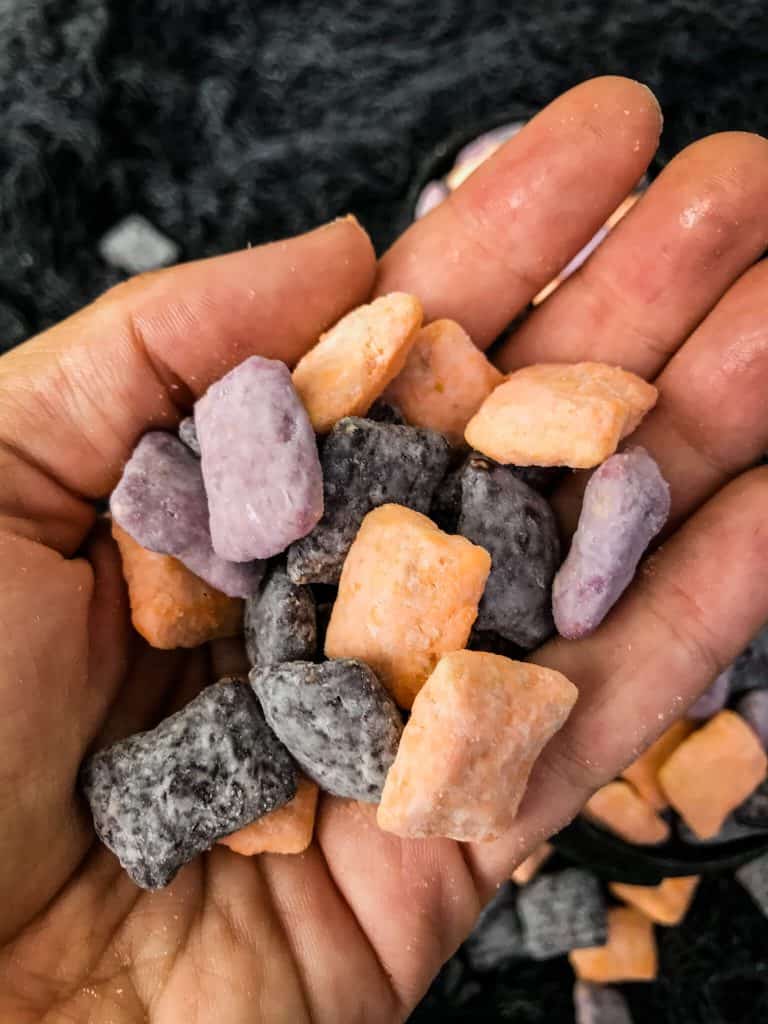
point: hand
(355, 928)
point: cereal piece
(286, 830)
(629, 954)
(476, 728)
(170, 606)
(365, 465)
(730, 831)
(280, 622)
(445, 380)
(336, 719)
(714, 698)
(408, 593)
(754, 878)
(493, 643)
(353, 362)
(643, 773)
(713, 771)
(621, 809)
(753, 813)
(626, 503)
(517, 527)
(259, 460)
(160, 501)
(161, 797)
(750, 670)
(562, 911)
(753, 708)
(527, 870)
(496, 940)
(666, 903)
(188, 434)
(383, 412)
(598, 1004)
(560, 414)
(135, 245)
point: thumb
(74, 400)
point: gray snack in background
(280, 622)
(599, 1004)
(383, 412)
(714, 698)
(753, 708)
(562, 911)
(336, 719)
(754, 878)
(366, 464)
(626, 503)
(753, 813)
(135, 245)
(188, 434)
(259, 460)
(496, 941)
(162, 797)
(517, 527)
(160, 501)
(750, 670)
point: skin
(354, 929)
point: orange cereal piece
(560, 414)
(713, 771)
(628, 955)
(527, 870)
(170, 606)
(665, 904)
(445, 380)
(620, 808)
(354, 361)
(644, 771)
(408, 593)
(476, 728)
(287, 830)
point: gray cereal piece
(562, 911)
(446, 502)
(134, 244)
(517, 527)
(161, 797)
(160, 501)
(497, 938)
(754, 878)
(280, 622)
(188, 434)
(336, 719)
(541, 478)
(494, 643)
(750, 670)
(753, 813)
(383, 412)
(753, 708)
(730, 831)
(366, 464)
(599, 1004)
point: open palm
(354, 929)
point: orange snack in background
(713, 771)
(170, 606)
(527, 870)
(353, 362)
(445, 380)
(620, 808)
(476, 728)
(666, 903)
(560, 414)
(287, 830)
(408, 593)
(629, 954)
(643, 773)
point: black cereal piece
(446, 502)
(160, 798)
(280, 622)
(562, 911)
(497, 940)
(366, 464)
(188, 434)
(750, 670)
(541, 478)
(517, 527)
(383, 412)
(336, 719)
(494, 643)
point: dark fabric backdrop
(227, 122)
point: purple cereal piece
(259, 459)
(160, 501)
(626, 503)
(750, 670)
(188, 434)
(753, 708)
(599, 1004)
(433, 193)
(713, 699)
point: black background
(227, 122)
